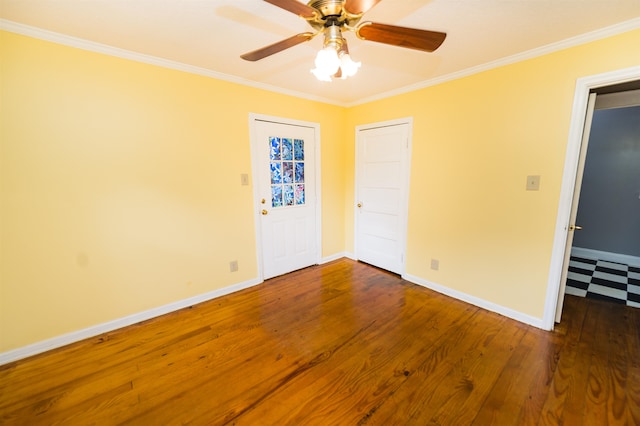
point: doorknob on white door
(359, 205)
(575, 228)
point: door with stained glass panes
(286, 186)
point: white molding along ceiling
(208, 37)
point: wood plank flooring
(339, 344)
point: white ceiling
(212, 34)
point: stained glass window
(276, 195)
(288, 195)
(275, 148)
(286, 157)
(299, 194)
(287, 149)
(287, 171)
(276, 172)
(299, 149)
(299, 172)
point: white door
(574, 204)
(382, 179)
(285, 189)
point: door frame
(578, 117)
(257, 207)
(406, 179)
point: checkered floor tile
(598, 279)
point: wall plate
(533, 183)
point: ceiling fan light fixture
(321, 75)
(348, 66)
(331, 18)
(334, 60)
(327, 63)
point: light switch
(533, 183)
(244, 179)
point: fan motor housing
(332, 13)
(327, 7)
(331, 18)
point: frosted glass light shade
(327, 60)
(321, 75)
(327, 64)
(348, 66)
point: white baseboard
(96, 330)
(337, 256)
(76, 336)
(605, 255)
(481, 303)
(331, 258)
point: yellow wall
(120, 181)
(475, 140)
(120, 186)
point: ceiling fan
(331, 18)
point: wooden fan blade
(296, 7)
(411, 38)
(356, 7)
(277, 47)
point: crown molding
(39, 33)
(79, 43)
(602, 33)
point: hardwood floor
(339, 344)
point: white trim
(583, 86)
(333, 257)
(66, 40)
(606, 255)
(253, 118)
(96, 330)
(104, 49)
(602, 33)
(484, 304)
(404, 213)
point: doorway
(621, 80)
(383, 154)
(605, 254)
(286, 194)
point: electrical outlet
(533, 183)
(233, 266)
(435, 264)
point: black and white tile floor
(599, 279)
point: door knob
(575, 228)
(359, 205)
(264, 212)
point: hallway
(604, 280)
